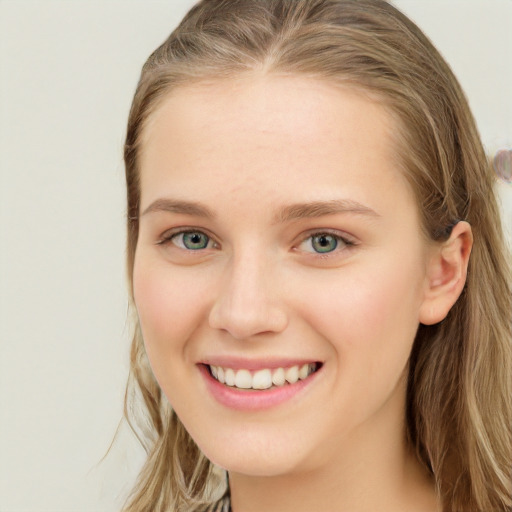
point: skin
(245, 150)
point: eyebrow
(288, 213)
(177, 206)
(322, 208)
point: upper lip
(241, 363)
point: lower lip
(253, 400)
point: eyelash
(346, 242)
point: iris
(194, 241)
(324, 243)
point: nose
(248, 302)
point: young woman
(320, 286)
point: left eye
(322, 243)
(192, 240)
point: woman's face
(277, 238)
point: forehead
(259, 105)
(296, 134)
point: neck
(372, 469)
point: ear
(446, 274)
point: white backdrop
(68, 70)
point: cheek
(169, 305)
(369, 314)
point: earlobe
(446, 274)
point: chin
(255, 466)
(256, 457)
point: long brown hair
(459, 408)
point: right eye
(191, 240)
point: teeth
(243, 379)
(230, 377)
(262, 379)
(278, 378)
(304, 371)
(292, 374)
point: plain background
(68, 70)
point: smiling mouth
(265, 378)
